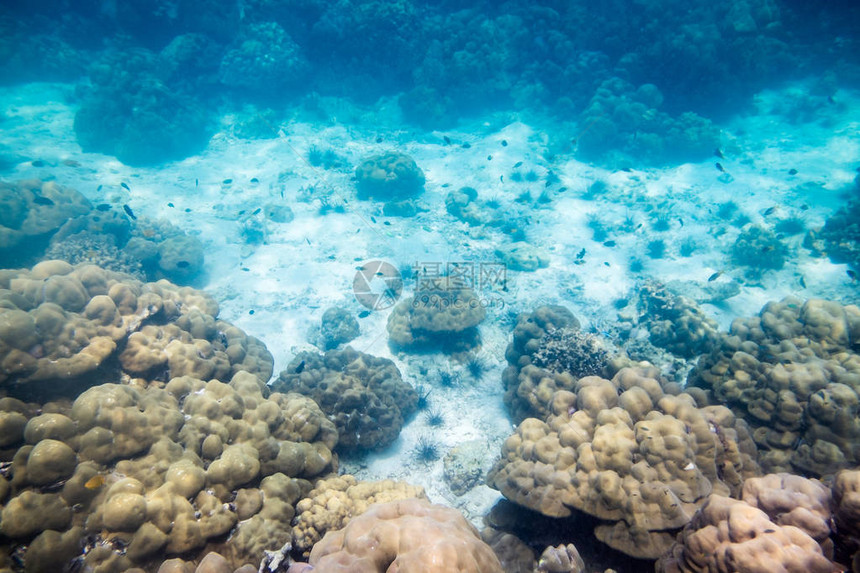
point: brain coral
(639, 460)
(60, 324)
(793, 373)
(389, 176)
(444, 318)
(404, 535)
(364, 395)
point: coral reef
(363, 395)
(335, 501)
(263, 60)
(338, 326)
(445, 319)
(31, 211)
(60, 325)
(389, 177)
(640, 460)
(841, 234)
(405, 535)
(759, 249)
(793, 373)
(522, 256)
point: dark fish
(605, 263)
(609, 243)
(626, 170)
(129, 212)
(767, 248)
(197, 183)
(246, 269)
(257, 211)
(300, 367)
(170, 205)
(502, 178)
(99, 188)
(254, 180)
(183, 264)
(446, 185)
(852, 274)
(227, 182)
(187, 209)
(517, 164)
(39, 200)
(720, 167)
(251, 311)
(103, 207)
(770, 531)
(364, 314)
(804, 207)
(562, 189)
(71, 163)
(125, 186)
(719, 153)
(715, 276)
(386, 222)
(792, 171)
(466, 145)
(680, 220)
(37, 163)
(504, 143)
(372, 218)
(769, 211)
(580, 254)
(379, 140)
(241, 212)
(802, 282)
(489, 158)
(308, 240)
(446, 139)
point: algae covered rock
(390, 176)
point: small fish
(386, 222)
(254, 180)
(769, 211)
(770, 531)
(792, 171)
(466, 145)
(504, 143)
(804, 207)
(364, 314)
(99, 188)
(680, 220)
(251, 311)
(609, 243)
(227, 182)
(300, 367)
(71, 163)
(715, 276)
(852, 275)
(489, 158)
(95, 482)
(626, 170)
(502, 178)
(690, 466)
(802, 282)
(605, 263)
(103, 207)
(720, 167)
(308, 240)
(183, 264)
(129, 212)
(39, 200)
(372, 218)
(197, 183)
(257, 211)
(767, 248)
(562, 189)
(580, 254)
(125, 186)
(719, 153)
(246, 269)
(241, 212)
(37, 163)
(379, 139)
(518, 164)
(446, 139)
(187, 209)
(170, 205)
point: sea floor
(773, 169)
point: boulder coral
(403, 535)
(638, 459)
(61, 324)
(389, 177)
(443, 318)
(793, 373)
(363, 395)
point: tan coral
(334, 501)
(626, 453)
(728, 535)
(404, 535)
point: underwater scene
(429, 286)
